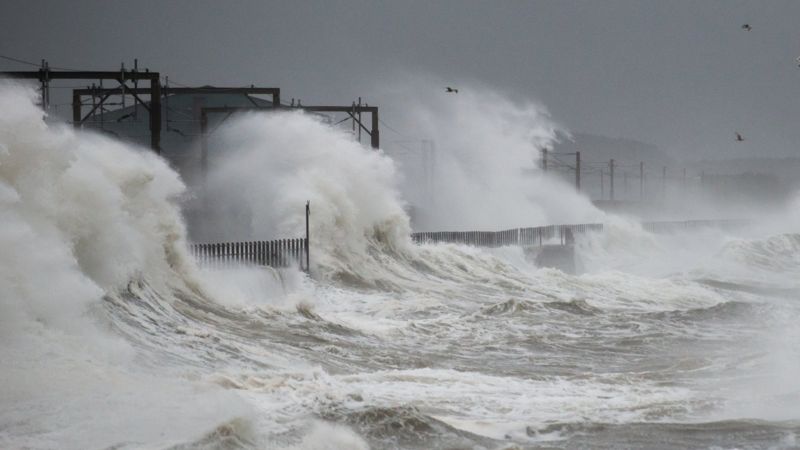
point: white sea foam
(81, 216)
(484, 162)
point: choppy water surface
(113, 338)
(483, 353)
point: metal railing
(273, 253)
(565, 233)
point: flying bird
(747, 27)
(451, 90)
(739, 137)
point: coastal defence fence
(274, 253)
(295, 252)
(533, 236)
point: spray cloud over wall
(266, 166)
(484, 170)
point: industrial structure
(175, 121)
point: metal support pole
(155, 113)
(641, 181)
(359, 119)
(45, 80)
(47, 84)
(94, 102)
(663, 182)
(578, 171)
(76, 110)
(102, 108)
(611, 180)
(166, 102)
(375, 140)
(135, 88)
(203, 144)
(602, 185)
(122, 83)
(308, 214)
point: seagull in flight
(747, 27)
(739, 137)
(451, 90)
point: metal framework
(44, 75)
(354, 111)
(104, 93)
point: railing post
(270, 251)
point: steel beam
(155, 98)
(46, 75)
(274, 92)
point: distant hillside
(602, 148)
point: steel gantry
(99, 95)
(122, 76)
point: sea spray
(81, 218)
(85, 212)
(267, 166)
(484, 163)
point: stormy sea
(112, 336)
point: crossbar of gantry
(353, 110)
(78, 94)
(104, 93)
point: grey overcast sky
(679, 74)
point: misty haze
(407, 225)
